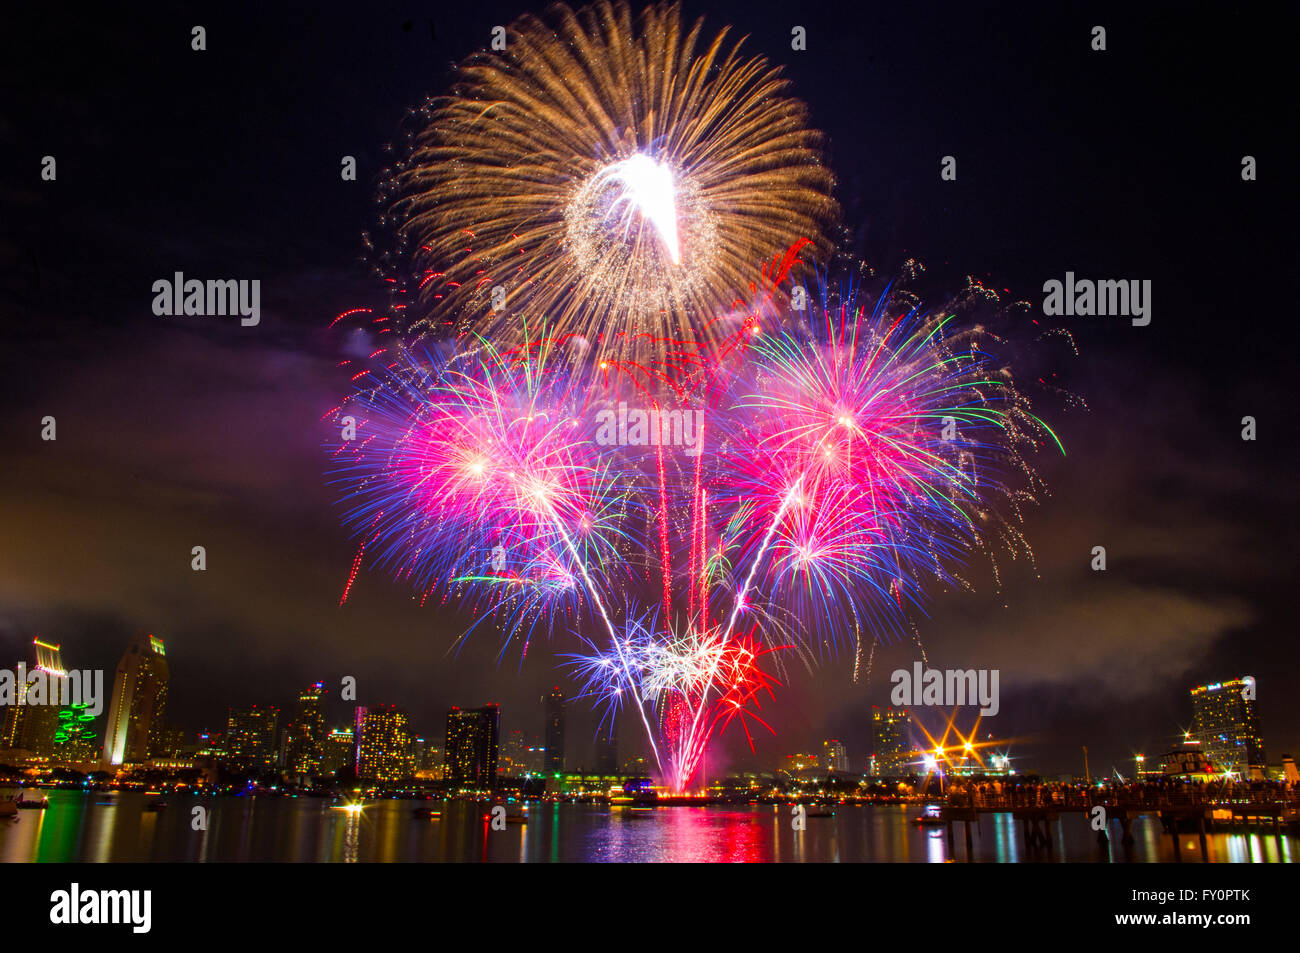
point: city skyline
(1223, 720)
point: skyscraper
(514, 754)
(427, 753)
(890, 745)
(305, 741)
(834, 757)
(607, 748)
(384, 737)
(1224, 722)
(139, 701)
(250, 738)
(472, 746)
(340, 750)
(554, 733)
(33, 727)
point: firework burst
(473, 476)
(614, 175)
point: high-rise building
(251, 739)
(384, 744)
(535, 760)
(1224, 722)
(340, 750)
(473, 746)
(170, 741)
(891, 747)
(553, 738)
(514, 754)
(304, 742)
(139, 701)
(427, 754)
(607, 748)
(834, 757)
(30, 725)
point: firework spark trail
(684, 771)
(609, 625)
(665, 559)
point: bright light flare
(647, 188)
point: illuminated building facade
(428, 758)
(139, 700)
(473, 746)
(804, 766)
(1225, 724)
(834, 758)
(250, 739)
(554, 735)
(33, 727)
(514, 755)
(340, 750)
(305, 736)
(383, 734)
(589, 785)
(891, 746)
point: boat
(31, 804)
(427, 813)
(819, 810)
(155, 806)
(929, 817)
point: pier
(1180, 810)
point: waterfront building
(305, 735)
(135, 717)
(892, 751)
(553, 741)
(1225, 723)
(383, 736)
(250, 740)
(473, 746)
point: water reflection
(117, 828)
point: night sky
(176, 432)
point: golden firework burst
(616, 176)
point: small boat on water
(156, 806)
(929, 817)
(819, 810)
(26, 803)
(426, 813)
